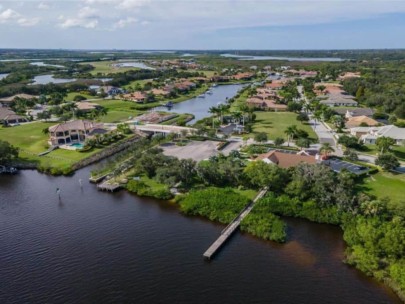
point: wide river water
(96, 247)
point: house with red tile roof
(287, 160)
(75, 131)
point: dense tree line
(381, 88)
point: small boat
(214, 85)
(201, 96)
(169, 104)
(209, 92)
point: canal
(199, 107)
(95, 247)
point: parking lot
(338, 165)
(198, 150)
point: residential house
(75, 131)
(361, 121)
(370, 137)
(340, 101)
(243, 76)
(9, 100)
(110, 90)
(85, 106)
(275, 85)
(287, 159)
(137, 96)
(334, 96)
(348, 75)
(8, 117)
(349, 113)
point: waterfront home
(243, 76)
(9, 100)
(369, 135)
(76, 131)
(287, 159)
(9, 117)
(185, 85)
(137, 96)
(361, 121)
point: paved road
(324, 135)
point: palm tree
(215, 111)
(307, 107)
(290, 132)
(326, 149)
(237, 116)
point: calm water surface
(45, 79)
(2, 76)
(94, 247)
(242, 57)
(199, 107)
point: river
(199, 107)
(95, 247)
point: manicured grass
(118, 110)
(27, 136)
(72, 95)
(132, 84)
(275, 123)
(30, 139)
(106, 67)
(398, 151)
(241, 100)
(384, 184)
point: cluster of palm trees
(238, 116)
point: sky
(202, 24)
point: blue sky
(202, 24)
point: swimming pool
(77, 145)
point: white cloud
(43, 6)
(28, 21)
(8, 15)
(124, 22)
(145, 22)
(87, 17)
(122, 4)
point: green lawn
(132, 84)
(118, 110)
(275, 123)
(72, 95)
(30, 139)
(241, 100)
(398, 151)
(384, 184)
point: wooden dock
(108, 187)
(230, 229)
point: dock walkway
(230, 229)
